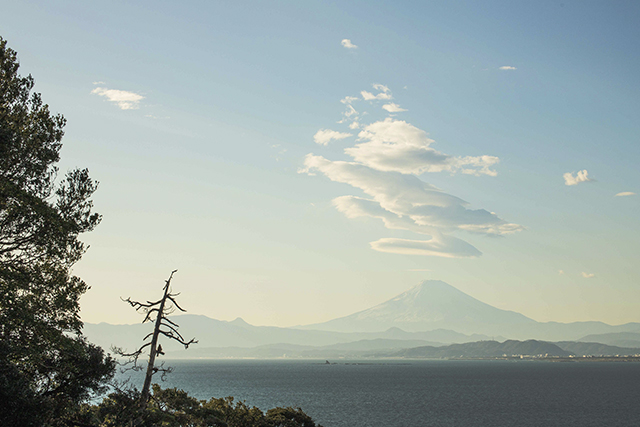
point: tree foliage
(175, 408)
(46, 367)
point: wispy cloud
(397, 146)
(561, 272)
(383, 93)
(347, 43)
(581, 176)
(478, 165)
(348, 99)
(445, 246)
(381, 88)
(324, 136)
(349, 114)
(368, 96)
(393, 108)
(588, 275)
(507, 67)
(404, 202)
(625, 194)
(123, 99)
(388, 158)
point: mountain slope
(430, 305)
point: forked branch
(163, 326)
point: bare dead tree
(156, 311)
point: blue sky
(199, 119)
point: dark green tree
(46, 367)
(175, 408)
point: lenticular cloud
(389, 157)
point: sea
(414, 393)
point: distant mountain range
(238, 333)
(432, 314)
(435, 304)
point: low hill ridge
(509, 348)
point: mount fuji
(430, 305)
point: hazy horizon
(299, 162)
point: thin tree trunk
(144, 397)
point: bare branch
(173, 323)
(178, 338)
(149, 312)
(133, 357)
(192, 341)
(168, 334)
(177, 334)
(161, 308)
(175, 303)
(171, 327)
(132, 302)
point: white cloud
(381, 88)
(479, 165)
(581, 176)
(350, 114)
(348, 99)
(347, 43)
(387, 157)
(355, 207)
(507, 67)
(561, 272)
(383, 93)
(404, 201)
(98, 83)
(368, 96)
(444, 246)
(394, 145)
(625, 193)
(393, 108)
(588, 275)
(124, 99)
(397, 146)
(324, 136)
(350, 111)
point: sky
(301, 161)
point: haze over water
(426, 393)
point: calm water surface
(426, 393)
